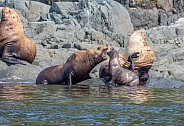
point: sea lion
(14, 45)
(138, 42)
(75, 69)
(50, 75)
(103, 70)
(129, 64)
(118, 74)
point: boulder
(18, 73)
(96, 14)
(166, 5)
(168, 45)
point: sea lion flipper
(70, 79)
(144, 77)
(111, 83)
(8, 56)
(134, 55)
(11, 60)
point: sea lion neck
(114, 58)
(94, 59)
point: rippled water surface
(24, 104)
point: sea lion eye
(111, 49)
(98, 48)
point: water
(25, 104)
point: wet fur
(118, 74)
(76, 69)
(50, 75)
(104, 67)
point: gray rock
(144, 18)
(166, 5)
(167, 42)
(18, 73)
(167, 12)
(63, 7)
(40, 31)
(35, 10)
(164, 83)
(98, 14)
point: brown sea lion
(50, 75)
(14, 45)
(118, 74)
(76, 69)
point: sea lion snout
(110, 52)
(103, 49)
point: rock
(167, 43)
(169, 65)
(164, 83)
(18, 73)
(69, 21)
(144, 18)
(98, 14)
(50, 57)
(31, 10)
(63, 8)
(166, 5)
(165, 38)
(166, 11)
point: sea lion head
(9, 15)
(101, 51)
(112, 52)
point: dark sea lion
(76, 69)
(14, 45)
(50, 75)
(130, 60)
(104, 67)
(118, 74)
(103, 70)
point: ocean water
(30, 104)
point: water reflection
(18, 92)
(11, 93)
(137, 95)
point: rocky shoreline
(62, 28)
